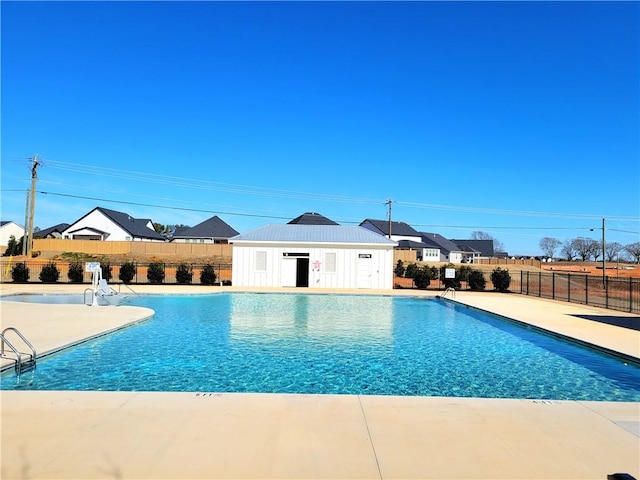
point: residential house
(110, 225)
(314, 256)
(475, 249)
(8, 229)
(213, 230)
(404, 234)
(440, 249)
(51, 232)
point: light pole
(604, 262)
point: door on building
(302, 276)
(295, 270)
(364, 270)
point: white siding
(246, 274)
(8, 229)
(97, 220)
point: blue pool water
(332, 344)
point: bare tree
(568, 250)
(613, 250)
(633, 249)
(549, 246)
(587, 248)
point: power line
(282, 193)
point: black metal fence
(622, 294)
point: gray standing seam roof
(313, 234)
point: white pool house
(314, 256)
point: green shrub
(106, 271)
(411, 271)
(500, 279)
(207, 275)
(399, 270)
(20, 273)
(127, 272)
(184, 273)
(422, 278)
(49, 273)
(463, 273)
(155, 272)
(76, 272)
(476, 280)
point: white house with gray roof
(110, 225)
(314, 256)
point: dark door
(302, 272)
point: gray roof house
(111, 225)
(399, 230)
(51, 232)
(476, 248)
(213, 230)
(312, 218)
(449, 251)
(314, 256)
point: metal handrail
(18, 354)
(449, 290)
(84, 296)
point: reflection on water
(271, 318)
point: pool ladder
(24, 361)
(450, 290)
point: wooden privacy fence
(95, 247)
(508, 261)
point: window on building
(330, 262)
(261, 261)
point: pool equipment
(99, 285)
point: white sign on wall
(449, 273)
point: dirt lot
(622, 270)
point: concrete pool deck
(221, 435)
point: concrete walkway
(86, 435)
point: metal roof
(296, 233)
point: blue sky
(518, 119)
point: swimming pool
(332, 344)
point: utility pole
(34, 177)
(389, 202)
(26, 224)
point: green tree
(76, 272)
(411, 270)
(422, 278)
(13, 247)
(208, 275)
(20, 273)
(500, 279)
(106, 271)
(155, 272)
(399, 270)
(184, 273)
(127, 272)
(477, 280)
(49, 273)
